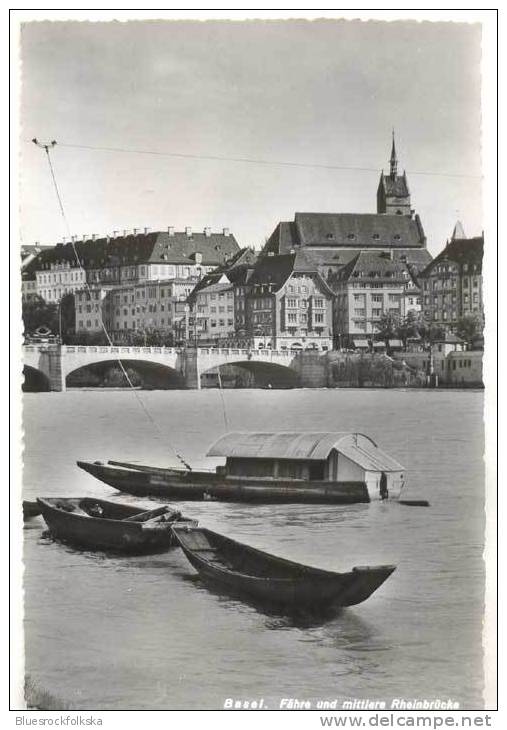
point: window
(292, 303)
(291, 317)
(376, 312)
(319, 303)
(319, 318)
(359, 312)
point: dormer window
(376, 236)
(397, 237)
(351, 236)
(329, 235)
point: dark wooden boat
(315, 467)
(180, 484)
(96, 524)
(171, 484)
(30, 509)
(244, 570)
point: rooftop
(157, 247)
(305, 445)
(460, 251)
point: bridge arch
(259, 373)
(35, 381)
(107, 373)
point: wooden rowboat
(95, 524)
(243, 570)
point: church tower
(393, 195)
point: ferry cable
(255, 161)
(46, 148)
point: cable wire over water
(148, 415)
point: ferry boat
(263, 467)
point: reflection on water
(117, 632)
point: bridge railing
(156, 350)
(119, 349)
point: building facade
(288, 305)
(370, 287)
(452, 282)
(143, 307)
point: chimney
(135, 231)
(226, 232)
(170, 230)
(125, 232)
(116, 234)
(85, 237)
(73, 239)
(188, 231)
(146, 231)
(207, 232)
(94, 236)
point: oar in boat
(148, 514)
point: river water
(143, 633)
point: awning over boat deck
(379, 345)
(361, 343)
(395, 343)
(306, 445)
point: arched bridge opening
(35, 381)
(141, 373)
(250, 374)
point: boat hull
(199, 485)
(265, 578)
(115, 535)
(30, 509)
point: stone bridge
(184, 365)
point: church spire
(394, 160)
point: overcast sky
(322, 92)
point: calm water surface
(143, 632)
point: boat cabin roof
(305, 445)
